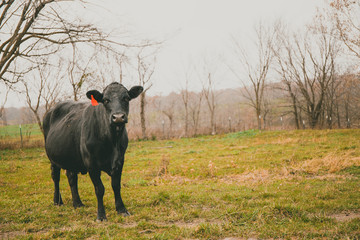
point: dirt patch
(195, 223)
(347, 216)
(237, 238)
(234, 238)
(181, 224)
(11, 235)
(172, 179)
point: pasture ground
(276, 184)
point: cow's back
(62, 130)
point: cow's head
(115, 99)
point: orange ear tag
(93, 101)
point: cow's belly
(98, 155)
(62, 148)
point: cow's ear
(98, 96)
(135, 91)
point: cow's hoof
(101, 219)
(58, 202)
(124, 213)
(79, 204)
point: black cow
(83, 138)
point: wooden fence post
(21, 136)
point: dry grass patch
(287, 140)
(266, 176)
(331, 163)
(15, 143)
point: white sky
(193, 28)
(196, 27)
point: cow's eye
(126, 99)
(106, 101)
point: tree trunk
(348, 124)
(39, 123)
(338, 114)
(4, 118)
(258, 115)
(295, 111)
(170, 127)
(186, 120)
(212, 122)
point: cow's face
(115, 99)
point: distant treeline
(166, 115)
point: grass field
(10, 136)
(14, 130)
(276, 184)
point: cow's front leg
(116, 185)
(99, 190)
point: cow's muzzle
(119, 118)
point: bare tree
(185, 99)
(79, 73)
(266, 110)
(345, 16)
(41, 90)
(331, 102)
(184, 92)
(52, 86)
(195, 109)
(211, 99)
(35, 28)
(317, 66)
(283, 54)
(106, 65)
(349, 97)
(121, 60)
(2, 105)
(145, 70)
(308, 62)
(257, 70)
(168, 109)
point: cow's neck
(116, 133)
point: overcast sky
(196, 27)
(193, 28)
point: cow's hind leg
(99, 191)
(55, 174)
(73, 182)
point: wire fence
(19, 136)
(18, 130)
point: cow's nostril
(118, 118)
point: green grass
(276, 184)
(10, 136)
(14, 130)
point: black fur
(83, 138)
